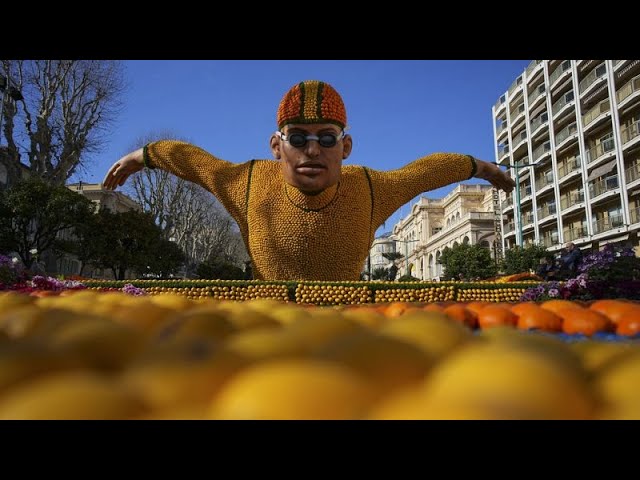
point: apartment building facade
(465, 215)
(569, 132)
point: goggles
(298, 140)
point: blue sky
(398, 110)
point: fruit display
(312, 351)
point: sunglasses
(326, 140)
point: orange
(433, 307)
(616, 310)
(533, 317)
(557, 306)
(584, 321)
(494, 315)
(475, 307)
(628, 326)
(463, 315)
(396, 309)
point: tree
(132, 241)
(467, 261)
(67, 108)
(379, 273)
(519, 260)
(392, 256)
(34, 216)
(188, 214)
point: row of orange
(570, 317)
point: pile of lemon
(96, 355)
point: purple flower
(133, 290)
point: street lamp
(517, 168)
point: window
(601, 70)
(568, 96)
(566, 65)
(607, 142)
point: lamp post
(517, 168)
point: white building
(465, 215)
(575, 126)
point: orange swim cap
(312, 101)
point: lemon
(293, 390)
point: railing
(570, 199)
(532, 65)
(563, 67)
(568, 166)
(507, 203)
(632, 172)
(515, 84)
(504, 149)
(595, 112)
(570, 234)
(543, 180)
(502, 128)
(629, 132)
(523, 161)
(628, 88)
(616, 62)
(541, 150)
(509, 227)
(550, 240)
(634, 214)
(598, 72)
(546, 210)
(597, 151)
(602, 186)
(517, 112)
(604, 224)
(519, 138)
(537, 92)
(526, 191)
(566, 98)
(566, 132)
(539, 120)
(480, 216)
(527, 218)
(500, 102)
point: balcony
(519, 140)
(527, 220)
(598, 111)
(543, 180)
(630, 132)
(632, 173)
(515, 87)
(534, 66)
(608, 223)
(500, 104)
(508, 203)
(600, 187)
(503, 150)
(571, 234)
(538, 122)
(517, 114)
(634, 214)
(536, 94)
(564, 101)
(502, 129)
(594, 76)
(571, 199)
(568, 166)
(509, 228)
(628, 89)
(541, 151)
(550, 239)
(546, 211)
(565, 133)
(561, 71)
(599, 151)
